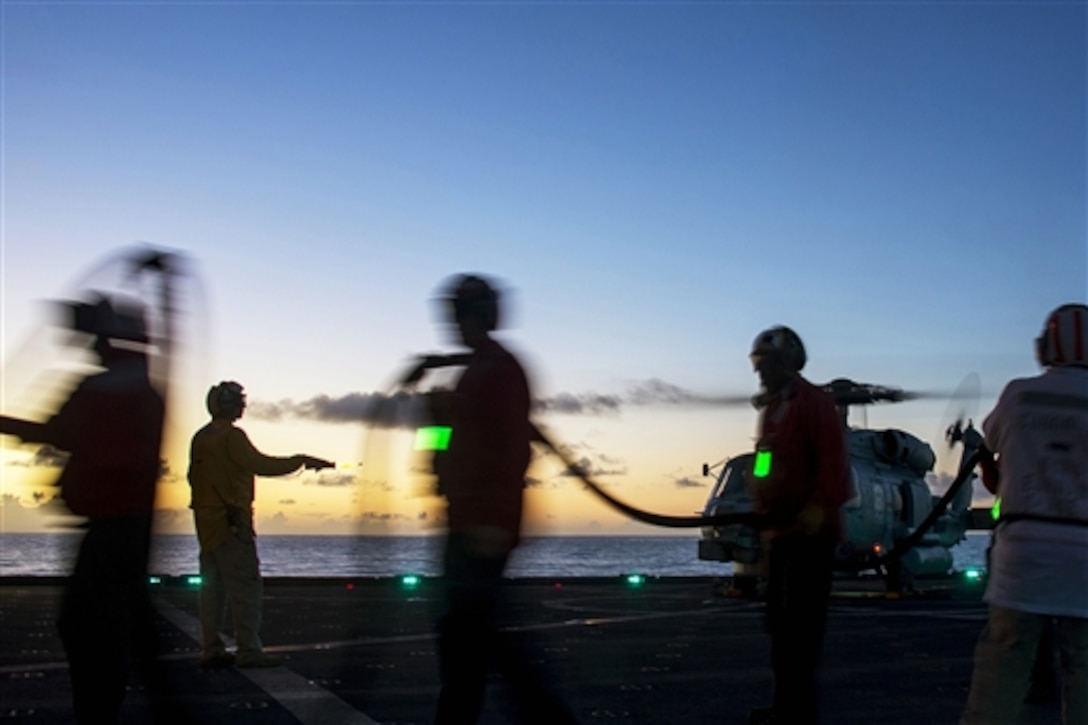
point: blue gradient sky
(903, 183)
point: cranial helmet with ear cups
(114, 319)
(1064, 340)
(783, 343)
(226, 400)
(472, 295)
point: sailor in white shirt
(1038, 432)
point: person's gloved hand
(315, 464)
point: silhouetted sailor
(482, 477)
(799, 482)
(1039, 558)
(222, 467)
(111, 426)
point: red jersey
(484, 473)
(112, 427)
(808, 468)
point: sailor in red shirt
(799, 481)
(482, 477)
(484, 474)
(111, 426)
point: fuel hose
(646, 517)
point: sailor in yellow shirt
(222, 466)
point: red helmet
(1064, 340)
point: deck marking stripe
(310, 703)
(190, 626)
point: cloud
(380, 484)
(585, 461)
(44, 457)
(409, 409)
(688, 482)
(331, 479)
(589, 462)
(47, 456)
(581, 404)
(596, 469)
(400, 410)
(382, 520)
(640, 393)
(651, 392)
(383, 516)
(167, 475)
(654, 391)
(16, 517)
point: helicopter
(892, 523)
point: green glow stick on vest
(433, 438)
(762, 467)
(995, 512)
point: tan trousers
(231, 575)
(1003, 661)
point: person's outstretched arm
(246, 455)
(26, 430)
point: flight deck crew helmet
(1064, 340)
(117, 319)
(470, 295)
(226, 400)
(781, 342)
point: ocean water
(370, 556)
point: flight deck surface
(667, 651)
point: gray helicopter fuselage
(889, 499)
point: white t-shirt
(1039, 428)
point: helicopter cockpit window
(855, 492)
(731, 481)
(723, 482)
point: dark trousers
(106, 620)
(471, 641)
(798, 591)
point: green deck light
(762, 465)
(972, 574)
(433, 438)
(194, 581)
(410, 580)
(154, 580)
(636, 580)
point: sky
(903, 183)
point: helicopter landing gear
(743, 587)
(898, 581)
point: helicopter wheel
(743, 587)
(898, 582)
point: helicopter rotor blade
(846, 392)
(724, 401)
(962, 407)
